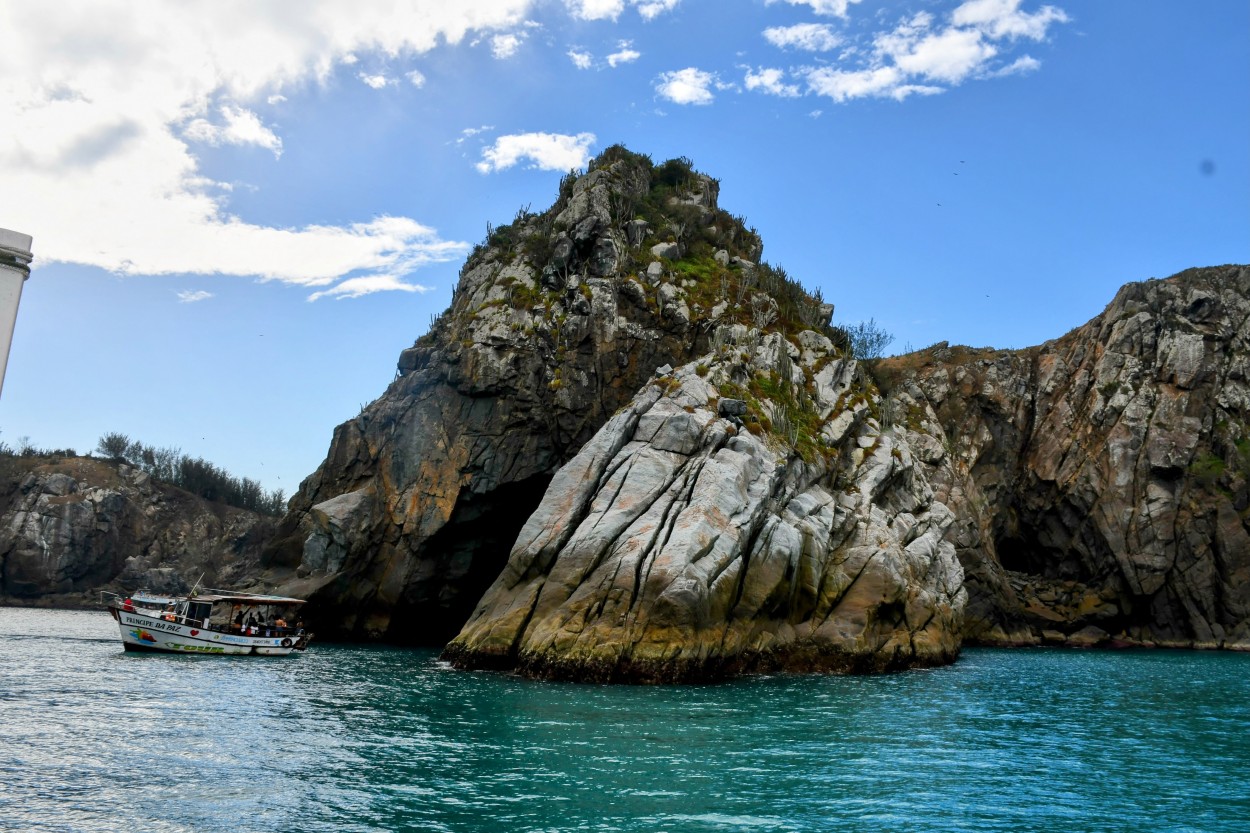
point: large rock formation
(1097, 483)
(73, 526)
(675, 546)
(1100, 480)
(557, 321)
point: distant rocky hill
(72, 526)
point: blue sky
(243, 211)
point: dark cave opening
(462, 560)
(1025, 552)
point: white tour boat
(210, 622)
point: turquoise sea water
(375, 739)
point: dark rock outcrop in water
(73, 526)
(1100, 480)
(542, 488)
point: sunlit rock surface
(683, 545)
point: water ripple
(375, 739)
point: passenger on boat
(128, 605)
(169, 614)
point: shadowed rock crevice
(1039, 547)
(471, 549)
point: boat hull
(152, 634)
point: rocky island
(631, 450)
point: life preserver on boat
(286, 643)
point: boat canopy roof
(245, 598)
(214, 596)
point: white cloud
(470, 132)
(814, 37)
(686, 86)
(769, 81)
(377, 82)
(275, 99)
(951, 55)
(367, 285)
(841, 85)
(505, 46)
(581, 60)
(595, 9)
(188, 296)
(110, 97)
(546, 151)
(651, 9)
(835, 8)
(1023, 64)
(240, 127)
(415, 78)
(625, 54)
(1003, 18)
(918, 57)
(611, 9)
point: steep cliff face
(557, 321)
(1099, 480)
(698, 536)
(73, 526)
